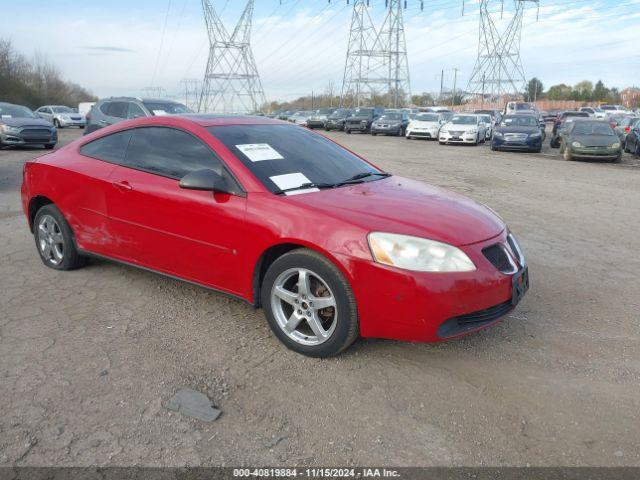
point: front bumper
(357, 127)
(414, 306)
(386, 130)
(334, 125)
(595, 153)
(315, 123)
(505, 143)
(423, 133)
(37, 136)
(72, 123)
(459, 137)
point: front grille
(455, 134)
(499, 258)
(420, 134)
(471, 321)
(35, 133)
(515, 136)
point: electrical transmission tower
(376, 59)
(192, 88)
(231, 82)
(498, 69)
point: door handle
(123, 186)
(103, 122)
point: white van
(85, 107)
(518, 107)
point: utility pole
(498, 66)
(441, 84)
(231, 81)
(455, 79)
(376, 58)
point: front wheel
(347, 131)
(309, 304)
(54, 240)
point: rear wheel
(54, 240)
(309, 304)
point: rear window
(110, 148)
(166, 108)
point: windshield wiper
(358, 177)
(305, 186)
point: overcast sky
(119, 47)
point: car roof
(212, 120)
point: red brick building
(630, 97)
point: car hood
(404, 206)
(419, 124)
(360, 118)
(517, 129)
(595, 140)
(459, 127)
(23, 122)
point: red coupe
(329, 245)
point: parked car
(614, 109)
(394, 123)
(362, 119)
(632, 140)
(595, 112)
(463, 128)
(337, 119)
(624, 127)
(517, 107)
(330, 246)
(518, 132)
(563, 119)
(590, 139)
(301, 117)
(112, 110)
(488, 122)
(425, 125)
(319, 117)
(551, 115)
(19, 126)
(285, 114)
(61, 116)
(616, 119)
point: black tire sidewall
(71, 258)
(346, 330)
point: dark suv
(337, 119)
(560, 123)
(113, 110)
(362, 119)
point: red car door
(195, 235)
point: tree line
(584, 91)
(35, 82)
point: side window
(111, 148)
(169, 152)
(104, 108)
(135, 111)
(118, 109)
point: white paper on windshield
(7, 116)
(292, 180)
(257, 152)
(159, 113)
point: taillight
(627, 129)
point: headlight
(576, 145)
(497, 134)
(472, 131)
(10, 129)
(418, 254)
(535, 135)
(615, 146)
(363, 121)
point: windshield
(283, 156)
(446, 116)
(464, 120)
(62, 110)
(523, 106)
(391, 116)
(427, 117)
(593, 128)
(363, 112)
(166, 108)
(519, 121)
(16, 111)
(340, 113)
(324, 111)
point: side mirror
(205, 179)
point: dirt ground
(87, 358)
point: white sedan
(424, 125)
(463, 128)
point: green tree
(534, 91)
(583, 91)
(600, 92)
(422, 100)
(559, 92)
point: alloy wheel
(304, 306)
(50, 240)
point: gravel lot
(89, 357)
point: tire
(49, 146)
(408, 137)
(373, 134)
(538, 150)
(55, 241)
(338, 322)
(56, 123)
(347, 131)
(441, 143)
